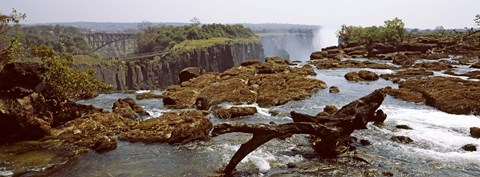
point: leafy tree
(62, 80)
(394, 31)
(477, 19)
(10, 44)
(195, 21)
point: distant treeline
(63, 39)
(163, 38)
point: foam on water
(436, 134)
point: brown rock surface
(452, 95)
(361, 76)
(406, 95)
(271, 83)
(148, 95)
(189, 73)
(128, 108)
(170, 128)
(435, 66)
(234, 112)
(407, 73)
(333, 63)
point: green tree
(62, 80)
(477, 19)
(394, 31)
(10, 37)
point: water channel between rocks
(436, 150)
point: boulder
(189, 73)
(402, 139)
(361, 76)
(365, 142)
(21, 74)
(234, 112)
(330, 109)
(334, 89)
(128, 108)
(475, 132)
(470, 147)
(170, 128)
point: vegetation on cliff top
(393, 31)
(59, 79)
(164, 38)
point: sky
(330, 13)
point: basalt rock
(405, 127)
(402, 139)
(170, 128)
(128, 108)
(470, 147)
(361, 76)
(189, 73)
(406, 95)
(268, 84)
(448, 94)
(435, 66)
(332, 64)
(408, 73)
(476, 65)
(93, 131)
(334, 89)
(475, 132)
(148, 95)
(234, 112)
(404, 60)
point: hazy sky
(332, 13)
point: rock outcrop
(189, 73)
(448, 94)
(269, 84)
(128, 108)
(234, 112)
(170, 128)
(163, 71)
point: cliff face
(111, 45)
(158, 73)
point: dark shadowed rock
(128, 108)
(234, 112)
(475, 132)
(402, 139)
(21, 74)
(405, 127)
(365, 142)
(476, 65)
(189, 73)
(470, 147)
(334, 89)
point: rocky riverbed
(432, 132)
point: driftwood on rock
(330, 133)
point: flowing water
(436, 150)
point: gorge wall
(290, 45)
(159, 72)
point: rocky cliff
(163, 71)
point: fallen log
(330, 133)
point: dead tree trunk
(329, 131)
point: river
(436, 150)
